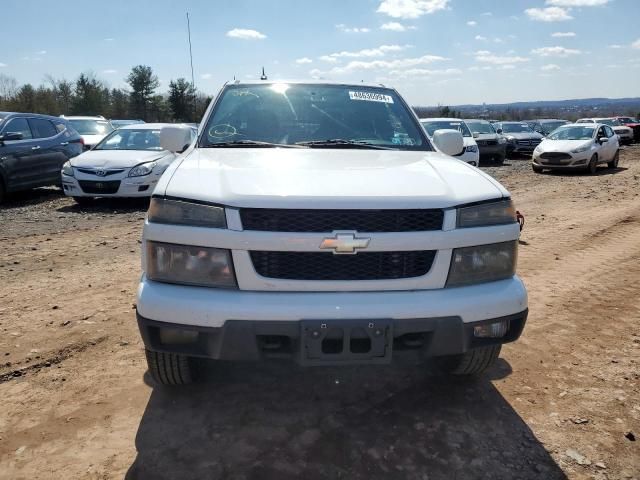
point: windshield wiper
(342, 143)
(250, 144)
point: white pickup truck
(317, 222)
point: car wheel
(2, 194)
(536, 169)
(592, 167)
(499, 160)
(169, 368)
(83, 201)
(473, 362)
(614, 163)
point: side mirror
(10, 136)
(175, 138)
(603, 139)
(449, 142)
(476, 134)
(499, 131)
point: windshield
(608, 121)
(131, 139)
(91, 127)
(432, 125)
(627, 120)
(572, 133)
(516, 128)
(286, 114)
(480, 127)
(549, 127)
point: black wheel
(536, 169)
(616, 158)
(169, 368)
(473, 362)
(499, 160)
(83, 201)
(592, 167)
(1, 191)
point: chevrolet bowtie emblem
(344, 243)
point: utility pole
(193, 80)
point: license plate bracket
(339, 342)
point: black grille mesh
(109, 186)
(327, 266)
(284, 220)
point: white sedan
(470, 152)
(127, 163)
(577, 146)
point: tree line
(88, 95)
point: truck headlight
(511, 139)
(486, 214)
(483, 263)
(142, 169)
(179, 212)
(67, 169)
(189, 265)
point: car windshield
(91, 127)
(317, 116)
(608, 121)
(516, 128)
(480, 127)
(131, 139)
(551, 126)
(572, 133)
(432, 125)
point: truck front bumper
(241, 325)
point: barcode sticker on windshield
(371, 97)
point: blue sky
(433, 51)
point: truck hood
(326, 178)
(116, 158)
(524, 136)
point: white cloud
(498, 40)
(507, 67)
(109, 71)
(396, 27)
(577, 3)
(380, 51)
(550, 67)
(303, 60)
(411, 8)
(2, 65)
(549, 14)
(109, 39)
(555, 51)
(485, 56)
(206, 76)
(41, 52)
(480, 38)
(387, 65)
(636, 44)
(423, 72)
(563, 34)
(343, 28)
(615, 46)
(486, 14)
(328, 59)
(472, 23)
(246, 34)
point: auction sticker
(371, 97)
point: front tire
(169, 368)
(2, 192)
(536, 169)
(592, 167)
(499, 160)
(473, 362)
(614, 163)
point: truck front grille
(285, 220)
(327, 266)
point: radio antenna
(193, 81)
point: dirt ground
(563, 401)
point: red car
(633, 124)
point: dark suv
(33, 149)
